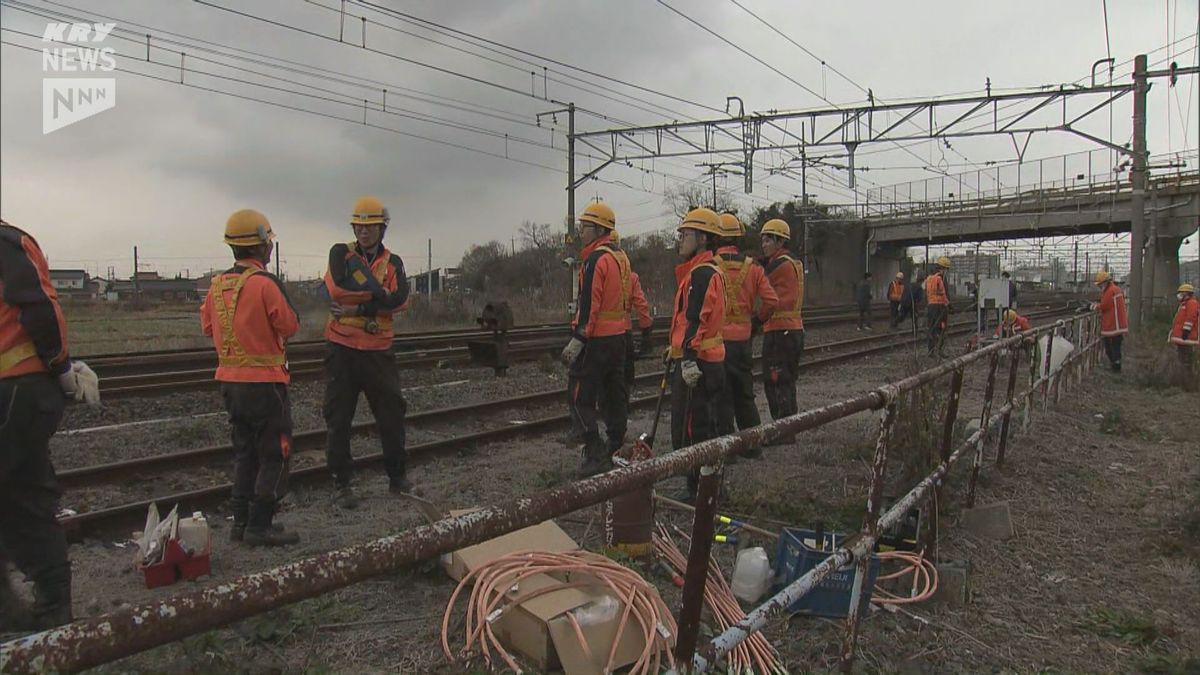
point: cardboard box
(545, 536)
(540, 630)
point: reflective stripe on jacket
(787, 278)
(249, 317)
(377, 286)
(605, 286)
(1186, 328)
(1113, 320)
(935, 290)
(33, 330)
(745, 282)
(699, 310)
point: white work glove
(80, 383)
(690, 372)
(572, 350)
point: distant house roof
(68, 274)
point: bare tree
(684, 197)
(536, 235)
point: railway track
(150, 373)
(121, 517)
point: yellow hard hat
(248, 228)
(369, 211)
(731, 227)
(1101, 277)
(704, 220)
(899, 275)
(1185, 288)
(599, 213)
(943, 262)
(777, 227)
(1010, 315)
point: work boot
(400, 485)
(596, 458)
(259, 531)
(344, 497)
(14, 614)
(52, 599)
(241, 515)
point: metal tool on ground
(726, 520)
(629, 518)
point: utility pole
(804, 204)
(1137, 205)
(136, 286)
(571, 236)
(429, 266)
(1075, 270)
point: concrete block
(954, 586)
(989, 521)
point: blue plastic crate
(831, 597)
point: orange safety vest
(249, 345)
(788, 282)
(1187, 322)
(368, 333)
(638, 304)
(935, 290)
(745, 281)
(707, 342)
(895, 290)
(18, 353)
(1113, 320)
(603, 307)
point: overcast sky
(167, 165)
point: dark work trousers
(905, 311)
(31, 406)
(1112, 349)
(695, 413)
(599, 371)
(630, 362)
(1186, 356)
(894, 312)
(782, 350)
(374, 373)
(937, 316)
(864, 315)
(737, 399)
(260, 420)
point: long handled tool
(643, 447)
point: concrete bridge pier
(1165, 261)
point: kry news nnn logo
(66, 100)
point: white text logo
(66, 100)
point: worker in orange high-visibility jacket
(249, 317)
(639, 307)
(1185, 330)
(367, 285)
(895, 295)
(783, 328)
(595, 354)
(937, 302)
(1114, 323)
(696, 355)
(37, 375)
(749, 299)
(1012, 323)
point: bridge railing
(1038, 182)
(122, 632)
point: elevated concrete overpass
(1172, 211)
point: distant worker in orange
(367, 285)
(749, 299)
(37, 376)
(1113, 321)
(696, 355)
(937, 302)
(895, 295)
(783, 327)
(1185, 331)
(249, 317)
(595, 355)
(638, 306)
(1012, 323)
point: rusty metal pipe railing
(859, 549)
